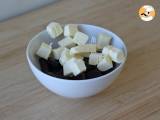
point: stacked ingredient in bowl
(76, 56)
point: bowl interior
(90, 30)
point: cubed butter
(57, 52)
(66, 42)
(44, 51)
(105, 64)
(70, 30)
(95, 58)
(116, 54)
(65, 56)
(103, 40)
(77, 66)
(54, 29)
(80, 38)
(67, 69)
(105, 50)
(87, 48)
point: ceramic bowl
(73, 88)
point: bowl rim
(91, 79)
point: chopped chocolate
(99, 51)
(78, 77)
(43, 65)
(88, 66)
(54, 65)
(93, 73)
(53, 68)
(86, 60)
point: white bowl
(73, 88)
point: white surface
(73, 88)
(10, 8)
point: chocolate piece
(56, 74)
(53, 68)
(93, 73)
(54, 65)
(88, 66)
(59, 74)
(99, 51)
(43, 65)
(78, 77)
(86, 60)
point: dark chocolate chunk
(59, 74)
(44, 65)
(53, 68)
(99, 51)
(86, 60)
(54, 65)
(88, 66)
(93, 73)
(78, 77)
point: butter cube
(44, 51)
(105, 64)
(116, 54)
(70, 30)
(66, 42)
(80, 38)
(95, 58)
(87, 48)
(105, 50)
(65, 56)
(67, 69)
(54, 29)
(57, 52)
(103, 40)
(77, 66)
